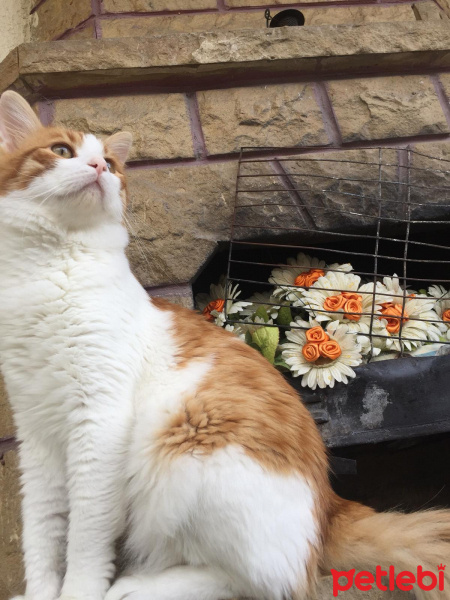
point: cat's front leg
(44, 516)
(96, 456)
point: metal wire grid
(401, 188)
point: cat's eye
(110, 166)
(62, 150)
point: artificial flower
(213, 306)
(340, 296)
(415, 318)
(321, 363)
(302, 272)
(264, 300)
(442, 307)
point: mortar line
(198, 138)
(80, 27)
(221, 7)
(326, 108)
(97, 9)
(38, 5)
(443, 98)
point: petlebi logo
(404, 580)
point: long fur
(140, 419)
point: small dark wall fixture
(285, 18)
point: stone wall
(81, 19)
(193, 99)
(15, 23)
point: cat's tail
(360, 538)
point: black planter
(388, 400)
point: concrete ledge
(245, 56)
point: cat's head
(73, 179)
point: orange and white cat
(140, 419)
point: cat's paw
(123, 588)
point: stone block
(272, 115)
(159, 122)
(428, 11)
(386, 107)
(135, 26)
(53, 18)
(118, 6)
(358, 14)
(11, 569)
(148, 25)
(6, 420)
(178, 214)
(177, 294)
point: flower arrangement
(318, 321)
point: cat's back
(240, 400)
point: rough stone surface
(163, 59)
(385, 107)
(445, 80)
(274, 115)
(6, 421)
(147, 25)
(11, 569)
(445, 5)
(177, 294)
(178, 215)
(118, 6)
(53, 18)
(86, 33)
(159, 122)
(428, 11)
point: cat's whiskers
(137, 240)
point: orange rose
(353, 306)
(393, 314)
(311, 352)
(308, 278)
(330, 349)
(316, 335)
(352, 296)
(213, 305)
(333, 303)
(446, 315)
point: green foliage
(284, 318)
(267, 339)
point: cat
(139, 419)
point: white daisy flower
(339, 296)
(237, 330)
(417, 315)
(212, 305)
(265, 300)
(442, 307)
(303, 271)
(393, 287)
(321, 356)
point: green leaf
(261, 312)
(284, 316)
(281, 364)
(267, 339)
(248, 338)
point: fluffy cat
(140, 419)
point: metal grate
(385, 210)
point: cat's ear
(17, 120)
(120, 144)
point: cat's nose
(99, 164)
